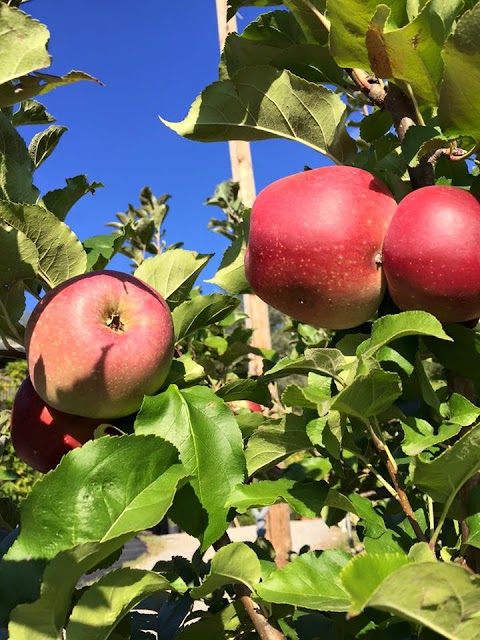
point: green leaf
(106, 602)
(231, 272)
(377, 538)
(173, 273)
(44, 143)
(210, 624)
(12, 307)
(61, 255)
(278, 40)
(327, 432)
(232, 564)
(458, 108)
(440, 596)
(18, 257)
(110, 487)
(462, 356)
(31, 112)
(306, 498)
(45, 618)
(444, 476)
(375, 125)
(273, 442)
(23, 44)
(101, 249)
(60, 201)
(245, 389)
(393, 327)
(16, 169)
(37, 84)
(184, 372)
(364, 574)
(329, 362)
(420, 435)
(412, 53)
(350, 21)
(201, 312)
(203, 429)
(461, 411)
(309, 581)
(235, 5)
(307, 16)
(262, 102)
(369, 394)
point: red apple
(237, 405)
(41, 435)
(98, 343)
(431, 253)
(315, 244)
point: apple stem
(392, 468)
(266, 627)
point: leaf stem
(266, 627)
(392, 468)
(377, 474)
(321, 18)
(441, 521)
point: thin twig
(267, 628)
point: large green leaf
(31, 112)
(274, 441)
(308, 16)
(234, 563)
(23, 44)
(44, 143)
(61, 255)
(173, 273)
(306, 498)
(326, 361)
(204, 430)
(111, 487)
(263, 102)
(106, 602)
(60, 201)
(278, 40)
(45, 618)
(37, 84)
(369, 394)
(440, 596)
(412, 53)
(458, 110)
(444, 476)
(420, 435)
(200, 312)
(18, 256)
(16, 168)
(309, 581)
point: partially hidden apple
(315, 245)
(431, 253)
(41, 435)
(98, 343)
(238, 405)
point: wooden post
(278, 518)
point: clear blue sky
(154, 58)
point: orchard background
(380, 421)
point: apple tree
(381, 420)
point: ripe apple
(41, 435)
(315, 245)
(98, 343)
(431, 254)
(238, 405)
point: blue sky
(154, 57)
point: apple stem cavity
(115, 323)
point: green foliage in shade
(61, 255)
(443, 477)
(309, 581)
(231, 272)
(23, 44)
(306, 498)
(16, 167)
(235, 5)
(18, 258)
(270, 104)
(440, 596)
(106, 602)
(364, 574)
(247, 389)
(200, 312)
(173, 273)
(458, 113)
(203, 429)
(101, 249)
(234, 563)
(100, 505)
(44, 143)
(31, 112)
(12, 307)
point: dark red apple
(41, 435)
(431, 253)
(315, 245)
(98, 343)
